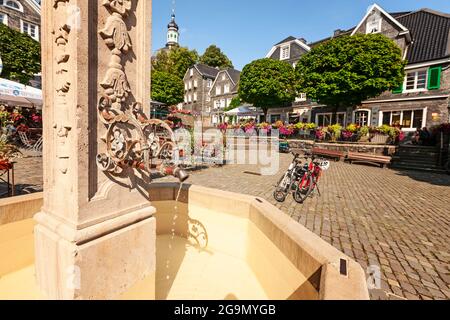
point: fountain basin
(211, 245)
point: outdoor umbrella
(245, 111)
(19, 95)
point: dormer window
(373, 24)
(12, 4)
(285, 52)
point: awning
(19, 95)
(245, 111)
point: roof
(35, 5)
(288, 39)
(234, 74)
(206, 70)
(430, 32)
(431, 35)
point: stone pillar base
(112, 259)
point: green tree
(267, 83)
(235, 102)
(214, 57)
(21, 55)
(176, 61)
(167, 88)
(347, 70)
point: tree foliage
(350, 69)
(175, 61)
(21, 55)
(267, 83)
(235, 102)
(167, 88)
(214, 57)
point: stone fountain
(95, 235)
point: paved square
(398, 221)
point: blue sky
(247, 29)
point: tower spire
(172, 30)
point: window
(362, 117)
(3, 18)
(223, 103)
(226, 88)
(224, 77)
(217, 104)
(275, 117)
(228, 103)
(324, 119)
(209, 83)
(195, 83)
(195, 96)
(12, 4)
(218, 90)
(407, 119)
(373, 24)
(185, 86)
(185, 99)
(191, 72)
(30, 29)
(208, 97)
(189, 98)
(190, 85)
(285, 52)
(302, 97)
(340, 118)
(416, 80)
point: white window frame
(424, 118)
(189, 98)
(368, 26)
(330, 114)
(209, 83)
(300, 98)
(190, 85)
(416, 78)
(218, 90)
(195, 97)
(217, 104)
(5, 18)
(282, 51)
(195, 83)
(191, 72)
(226, 88)
(369, 116)
(36, 29)
(20, 9)
(224, 77)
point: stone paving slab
(398, 221)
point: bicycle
(309, 181)
(288, 181)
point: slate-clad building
(22, 15)
(423, 99)
(224, 89)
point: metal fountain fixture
(134, 141)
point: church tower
(173, 35)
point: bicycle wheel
(280, 192)
(304, 190)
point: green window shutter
(434, 78)
(398, 89)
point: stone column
(95, 236)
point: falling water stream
(174, 221)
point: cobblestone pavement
(28, 176)
(396, 220)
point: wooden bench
(357, 157)
(336, 155)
